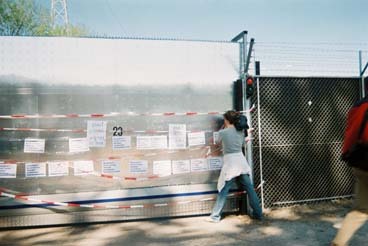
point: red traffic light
(249, 80)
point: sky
(305, 36)
(265, 20)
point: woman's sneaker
(210, 219)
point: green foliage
(25, 18)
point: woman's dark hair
(232, 116)
(238, 120)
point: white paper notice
(96, 133)
(58, 168)
(180, 166)
(110, 166)
(78, 145)
(138, 166)
(121, 142)
(198, 165)
(215, 137)
(34, 145)
(159, 142)
(151, 142)
(215, 163)
(8, 170)
(177, 136)
(35, 170)
(83, 167)
(162, 168)
(196, 138)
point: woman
(235, 166)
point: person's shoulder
(224, 131)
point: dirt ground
(313, 224)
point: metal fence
(297, 139)
(299, 131)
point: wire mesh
(302, 124)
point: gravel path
(298, 225)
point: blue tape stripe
(121, 199)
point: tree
(25, 18)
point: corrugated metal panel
(129, 80)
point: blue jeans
(248, 187)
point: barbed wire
(309, 58)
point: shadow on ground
(297, 225)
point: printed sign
(151, 142)
(198, 165)
(35, 170)
(58, 168)
(162, 168)
(215, 163)
(83, 167)
(110, 166)
(121, 142)
(34, 145)
(138, 166)
(78, 145)
(8, 170)
(96, 133)
(177, 136)
(196, 138)
(180, 166)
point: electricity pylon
(59, 13)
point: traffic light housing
(249, 86)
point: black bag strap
(362, 126)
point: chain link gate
(302, 122)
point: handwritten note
(78, 145)
(196, 138)
(83, 167)
(96, 133)
(162, 168)
(215, 137)
(177, 136)
(151, 142)
(58, 168)
(34, 145)
(180, 166)
(198, 165)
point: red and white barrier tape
(113, 114)
(23, 129)
(23, 197)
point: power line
(115, 18)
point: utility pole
(59, 13)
